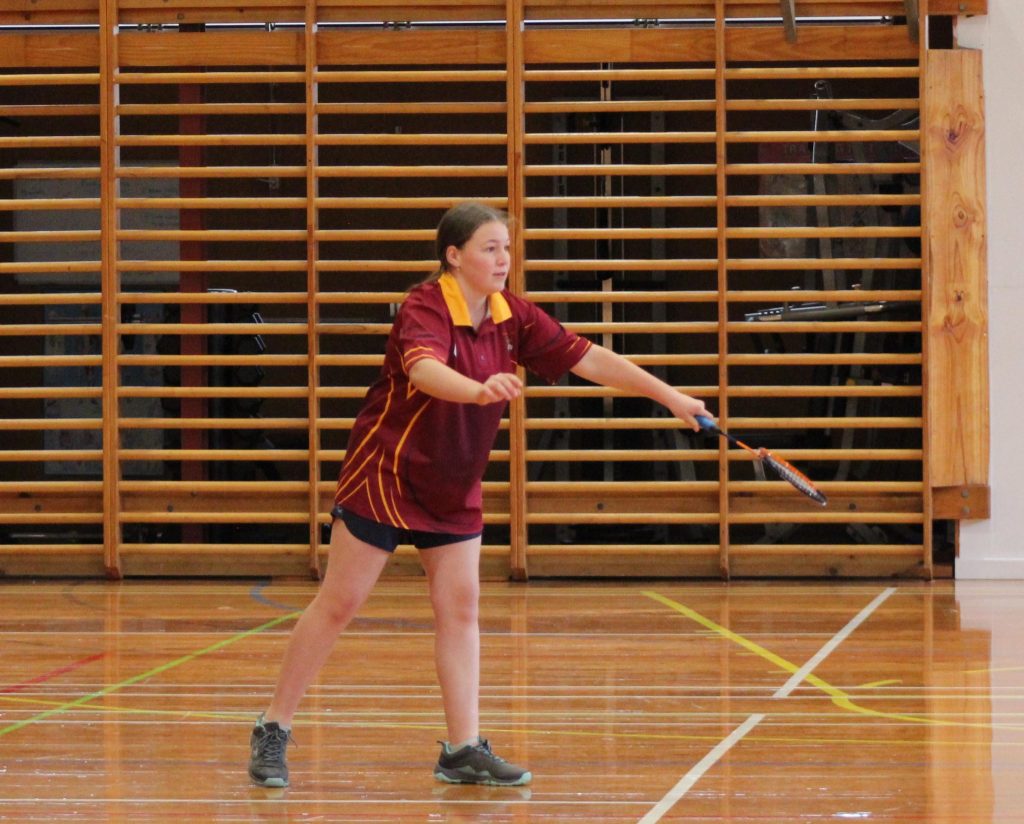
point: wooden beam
(312, 99)
(516, 127)
(957, 308)
(110, 286)
(956, 503)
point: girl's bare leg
(353, 568)
(454, 575)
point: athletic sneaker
(476, 764)
(267, 765)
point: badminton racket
(781, 468)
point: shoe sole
(275, 783)
(524, 779)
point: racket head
(789, 473)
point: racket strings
(792, 475)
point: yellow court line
(838, 696)
(992, 669)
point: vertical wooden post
(516, 125)
(312, 284)
(193, 220)
(927, 532)
(721, 188)
(110, 287)
(956, 304)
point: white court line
(696, 772)
(834, 642)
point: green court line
(177, 662)
(840, 698)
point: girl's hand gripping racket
(781, 468)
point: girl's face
(481, 265)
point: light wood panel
(958, 310)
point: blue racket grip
(706, 424)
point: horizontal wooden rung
(46, 329)
(686, 233)
(213, 298)
(620, 550)
(173, 172)
(622, 518)
(236, 517)
(402, 202)
(272, 550)
(671, 489)
(597, 75)
(38, 456)
(400, 171)
(57, 424)
(212, 329)
(175, 78)
(826, 136)
(54, 518)
(809, 359)
(612, 264)
(613, 170)
(853, 72)
(212, 360)
(411, 76)
(802, 264)
(823, 200)
(60, 550)
(603, 138)
(817, 515)
(821, 104)
(212, 423)
(215, 392)
(783, 168)
(565, 202)
(213, 454)
(866, 390)
(33, 204)
(826, 326)
(246, 488)
(211, 202)
(851, 550)
(412, 139)
(623, 296)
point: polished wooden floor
(657, 701)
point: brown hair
(457, 226)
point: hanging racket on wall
(779, 467)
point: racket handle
(706, 424)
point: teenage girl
(412, 474)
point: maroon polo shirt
(414, 461)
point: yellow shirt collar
(456, 302)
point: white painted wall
(995, 548)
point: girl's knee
(336, 610)
(458, 605)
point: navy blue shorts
(388, 537)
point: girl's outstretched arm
(603, 366)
